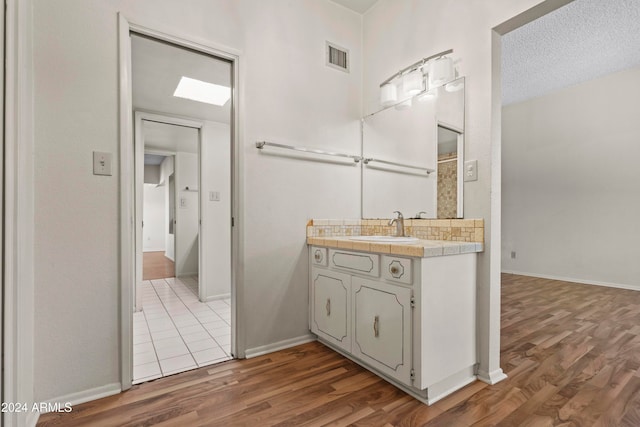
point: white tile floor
(175, 332)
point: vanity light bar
(261, 144)
(416, 65)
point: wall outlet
(471, 170)
(101, 163)
(513, 254)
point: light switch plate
(214, 196)
(471, 170)
(101, 163)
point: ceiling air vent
(337, 57)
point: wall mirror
(413, 155)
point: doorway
(182, 162)
(168, 201)
(158, 216)
(553, 141)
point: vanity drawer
(396, 269)
(356, 262)
(319, 256)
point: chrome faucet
(419, 214)
(399, 221)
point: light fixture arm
(416, 65)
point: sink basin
(386, 239)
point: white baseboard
(574, 280)
(186, 274)
(32, 419)
(492, 377)
(276, 346)
(155, 250)
(218, 297)
(88, 395)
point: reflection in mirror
(404, 137)
(400, 146)
(449, 180)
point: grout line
(179, 283)
(174, 325)
(169, 297)
(202, 324)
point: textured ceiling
(581, 41)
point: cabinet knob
(376, 326)
(328, 306)
(318, 256)
(396, 269)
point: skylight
(197, 90)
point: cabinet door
(331, 302)
(382, 327)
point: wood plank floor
(572, 353)
(157, 266)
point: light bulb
(440, 71)
(412, 82)
(427, 96)
(454, 86)
(388, 94)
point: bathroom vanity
(406, 311)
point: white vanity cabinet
(410, 320)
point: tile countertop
(422, 248)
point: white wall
(396, 34)
(154, 207)
(216, 231)
(571, 187)
(166, 169)
(287, 94)
(187, 214)
(167, 181)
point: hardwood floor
(157, 266)
(572, 353)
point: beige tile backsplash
(455, 230)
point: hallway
(155, 265)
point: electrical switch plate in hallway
(101, 163)
(214, 196)
(471, 170)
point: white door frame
(17, 189)
(139, 117)
(127, 201)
